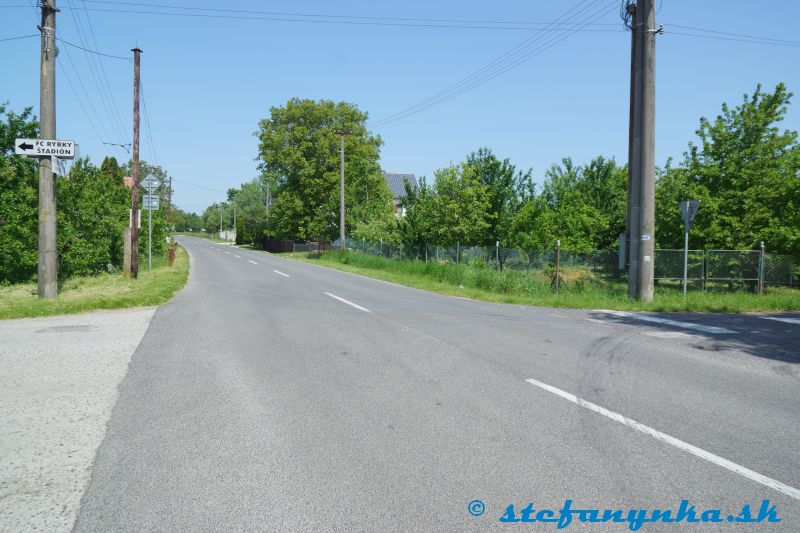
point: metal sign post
(689, 211)
(151, 201)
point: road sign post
(151, 201)
(689, 211)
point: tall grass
(581, 289)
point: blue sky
(207, 81)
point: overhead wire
(531, 47)
(114, 105)
(94, 70)
(20, 37)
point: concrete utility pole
(169, 197)
(48, 260)
(341, 134)
(135, 186)
(641, 157)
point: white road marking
(239, 256)
(348, 303)
(663, 437)
(227, 252)
(658, 320)
(781, 319)
(252, 262)
(281, 273)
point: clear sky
(208, 79)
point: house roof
(397, 185)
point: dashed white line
(782, 319)
(249, 261)
(658, 320)
(239, 256)
(663, 437)
(348, 303)
(227, 252)
(281, 273)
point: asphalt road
(272, 395)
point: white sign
(138, 219)
(59, 168)
(150, 183)
(45, 147)
(151, 201)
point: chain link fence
(706, 270)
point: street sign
(59, 168)
(689, 211)
(150, 183)
(151, 201)
(45, 147)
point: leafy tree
(603, 185)
(19, 197)
(249, 202)
(746, 172)
(560, 212)
(506, 190)
(92, 213)
(457, 210)
(298, 143)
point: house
(397, 184)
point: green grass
(201, 235)
(514, 287)
(105, 291)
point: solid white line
(663, 437)
(781, 319)
(348, 303)
(252, 262)
(658, 320)
(281, 273)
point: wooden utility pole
(641, 153)
(135, 171)
(169, 197)
(48, 259)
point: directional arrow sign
(45, 147)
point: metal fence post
(761, 270)
(558, 266)
(458, 252)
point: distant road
(272, 395)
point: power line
(705, 30)
(198, 186)
(114, 105)
(147, 127)
(252, 16)
(91, 60)
(20, 37)
(531, 47)
(91, 51)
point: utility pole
(135, 187)
(169, 197)
(220, 220)
(48, 260)
(234, 222)
(341, 134)
(641, 157)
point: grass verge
(105, 291)
(525, 288)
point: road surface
(272, 395)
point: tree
(457, 209)
(19, 186)
(560, 212)
(746, 172)
(506, 190)
(298, 143)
